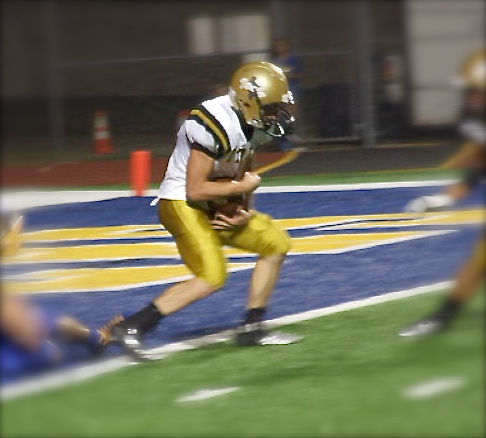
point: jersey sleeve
(474, 130)
(205, 132)
(199, 138)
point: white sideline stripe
(434, 387)
(204, 394)
(355, 186)
(18, 200)
(66, 377)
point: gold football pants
(200, 246)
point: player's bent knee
(279, 247)
(216, 279)
(285, 245)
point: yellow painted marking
(96, 233)
(448, 218)
(167, 249)
(286, 158)
(155, 230)
(86, 253)
(434, 218)
(99, 279)
(96, 279)
(307, 222)
(349, 242)
(117, 251)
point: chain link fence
(144, 65)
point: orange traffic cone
(102, 138)
(140, 171)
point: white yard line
(204, 394)
(18, 200)
(355, 186)
(66, 377)
(434, 387)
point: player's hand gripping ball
(228, 212)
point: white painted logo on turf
(204, 394)
(434, 387)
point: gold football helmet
(472, 74)
(259, 90)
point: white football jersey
(217, 129)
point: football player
(471, 157)
(30, 338)
(205, 200)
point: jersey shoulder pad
(211, 124)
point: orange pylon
(101, 132)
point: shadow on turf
(204, 331)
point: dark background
(62, 61)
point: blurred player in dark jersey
(471, 158)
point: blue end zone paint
(123, 211)
(307, 282)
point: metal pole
(54, 79)
(277, 11)
(364, 54)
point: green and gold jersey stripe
(212, 124)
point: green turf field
(325, 178)
(346, 378)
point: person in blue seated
(30, 338)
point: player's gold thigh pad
(261, 235)
(198, 244)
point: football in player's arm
(471, 159)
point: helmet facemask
(277, 119)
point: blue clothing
(17, 361)
(294, 64)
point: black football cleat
(250, 334)
(130, 340)
(426, 327)
(256, 334)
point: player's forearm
(247, 166)
(199, 186)
(207, 190)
